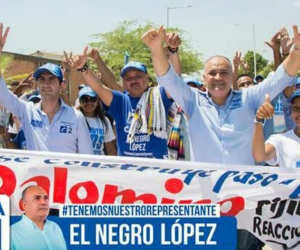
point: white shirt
(287, 147)
(99, 134)
(68, 131)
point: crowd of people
(230, 113)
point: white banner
(264, 200)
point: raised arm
(25, 84)
(3, 38)
(237, 61)
(261, 151)
(292, 63)
(274, 44)
(154, 40)
(66, 69)
(286, 43)
(107, 77)
(173, 42)
(80, 63)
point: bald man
(34, 231)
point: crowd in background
(226, 117)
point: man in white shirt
(50, 125)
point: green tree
(261, 63)
(127, 38)
(5, 62)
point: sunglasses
(86, 99)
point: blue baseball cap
(190, 79)
(86, 91)
(81, 86)
(295, 94)
(34, 98)
(51, 68)
(133, 65)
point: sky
(211, 26)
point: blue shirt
(223, 134)
(68, 131)
(122, 109)
(26, 235)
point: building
(22, 65)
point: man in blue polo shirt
(221, 117)
(139, 112)
(51, 125)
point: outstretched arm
(237, 61)
(3, 38)
(292, 63)
(274, 44)
(154, 40)
(173, 42)
(107, 77)
(261, 151)
(80, 63)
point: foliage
(261, 63)
(5, 62)
(127, 38)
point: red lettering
(91, 189)
(111, 192)
(237, 205)
(8, 181)
(60, 185)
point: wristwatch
(261, 121)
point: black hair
(99, 112)
(242, 75)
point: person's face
(89, 104)
(135, 82)
(295, 111)
(36, 204)
(244, 82)
(218, 78)
(48, 85)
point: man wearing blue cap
(194, 83)
(50, 125)
(141, 128)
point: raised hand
(66, 62)
(275, 42)
(3, 37)
(154, 38)
(94, 54)
(296, 37)
(266, 110)
(172, 40)
(237, 60)
(245, 66)
(285, 41)
(28, 81)
(78, 61)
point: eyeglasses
(86, 99)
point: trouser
(247, 241)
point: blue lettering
(1, 210)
